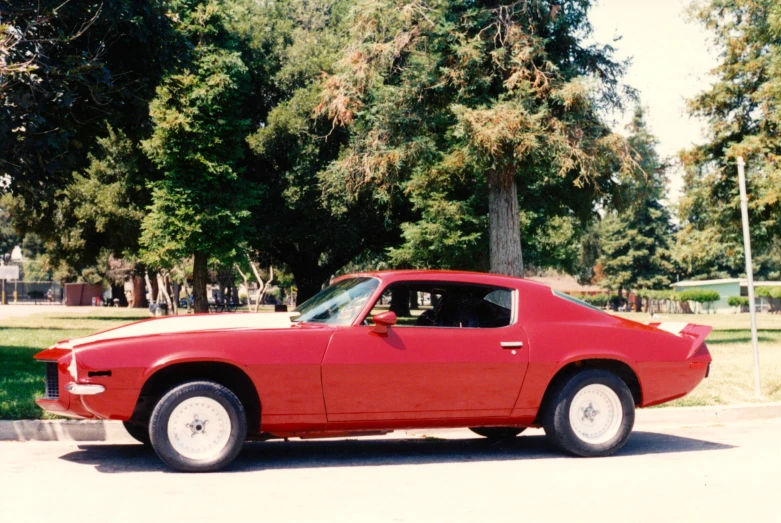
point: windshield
(338, 304)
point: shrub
(701, 296)
(768, 292)
(737, 301)
(597, 300)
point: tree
(441, 93)
(199, 207)
(312, 232)
(743, 112)
(634, 241)
(67, 69)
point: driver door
(424, 372)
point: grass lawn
(21, 377)
(731, 379)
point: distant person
(49, 296)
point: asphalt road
(717, 473)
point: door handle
(511, 344)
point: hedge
(768, 292)
(737, 301)
(699, 296)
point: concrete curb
(63, 430)
(687, 416)
(114, 432)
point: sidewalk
(646, 419)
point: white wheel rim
(595, 414)
(199, 428)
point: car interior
(445, 305)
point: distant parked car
(441, 349)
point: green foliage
(68, 69)
(200, 203)
(312, 232)
(658, 294)
(743, 112)
(439, 97)
(737, 301)
(768, 292)
(699, 296)
(100, 211)
(597, 300)
(634, 241)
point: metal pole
(749, 273)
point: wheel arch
(620, 368)
(165, 378)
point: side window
(419, 304)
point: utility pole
(752, 307)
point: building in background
(727, 288)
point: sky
(670, 63)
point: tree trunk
(176, 291)
(400, 298)
(504, 226)
(200, 277)
(139, 292)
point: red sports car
(376, 352)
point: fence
(33, 291)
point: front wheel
(590, 414)
(198, 427)
(497, 432)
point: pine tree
(634, 241)
(743, 113)
(199, 207)
(501, 100)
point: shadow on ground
(378, 452)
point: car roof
(449, 276)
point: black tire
(138, 432)
(556, 417)
(158, 426)
(497, 433)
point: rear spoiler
(696, 333)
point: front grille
(52, 381)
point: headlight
(74, 372)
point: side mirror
(382, 321)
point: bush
(768, 292)
(700, 296)
(597, 300)
(616, 302)
(737, 301)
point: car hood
(189, 323)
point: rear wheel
(198, 427)
(590, 414)
(138, 432)
(497, 432)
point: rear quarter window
(575, 300)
